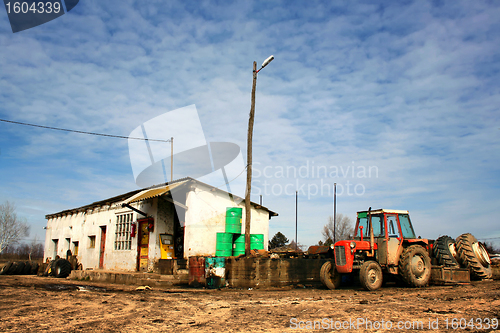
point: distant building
(132, 231)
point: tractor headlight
(353, 245)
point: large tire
(474, 256)
(13, 268)
(415, 266)
(370, 275)
(48, 269)
(34, 268)
(329, 276)
(5, 268)
(61, 268)
(20, 268)
(27, 268)
(445, 251)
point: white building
(123, 233)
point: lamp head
(266, 62)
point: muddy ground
(41, 304)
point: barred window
(122, 233)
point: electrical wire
(82, 132)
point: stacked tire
(473, 255)
(465, 252)
(60, 268)
(20, 268)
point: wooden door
(143, 245)
(102, 247)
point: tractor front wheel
(370, 275)
(415, 266)
(329, 276)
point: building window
(75, 247)
(92, 241)
(123, 240)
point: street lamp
(249, 154)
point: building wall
(203, 219)
(206, 217)
(79, 227)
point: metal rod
(334, 212)
(171, 158)
(296, 219)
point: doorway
(143, 244)
(56, 243)
(102, 247)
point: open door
(102, 247)
(143, 244)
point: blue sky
(408, 90)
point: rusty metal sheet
(317, 249)
(449, 275)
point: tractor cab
(386, 224)
(379, 235)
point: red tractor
(384, 243)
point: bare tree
(12, 228)
(344, 227)
(32, 246)
(291, 246)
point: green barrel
(215, 272)
(239, 245)
(233, 220)
(224, 244)
(256, 241)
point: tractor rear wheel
(329, 276)
(415, 266)
(370, 275)
(474, 256)
(445, 251)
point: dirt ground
(41, 304)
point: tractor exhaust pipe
(372, 238)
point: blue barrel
(215, 272)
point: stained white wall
(80, 226)
(206, 217)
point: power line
(81, 132)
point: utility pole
(249, 163)
(249, 155)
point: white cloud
(409, 88)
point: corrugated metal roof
(152, 192)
